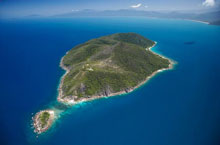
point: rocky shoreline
(38, 127)
(60, 95)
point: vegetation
(44, 117)
(109, 64)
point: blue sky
(50, 7)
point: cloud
(208, 3)
(136, 6)
(146, 6)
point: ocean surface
(176, 107)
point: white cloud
(136, 6)
(209, 3)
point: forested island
(102, 67)
(108, 66)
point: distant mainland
(208, 17)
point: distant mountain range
(210, 17)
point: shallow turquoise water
(177, 107)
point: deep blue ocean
(176, 107)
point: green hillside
(109, 64)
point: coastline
(73, 102)
(60, 91)
(204, 22)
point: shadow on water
(189, 42)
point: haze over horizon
(19, 8)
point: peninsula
(107, 66)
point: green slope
(109, 64)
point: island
(103, 67)
(43, 120)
